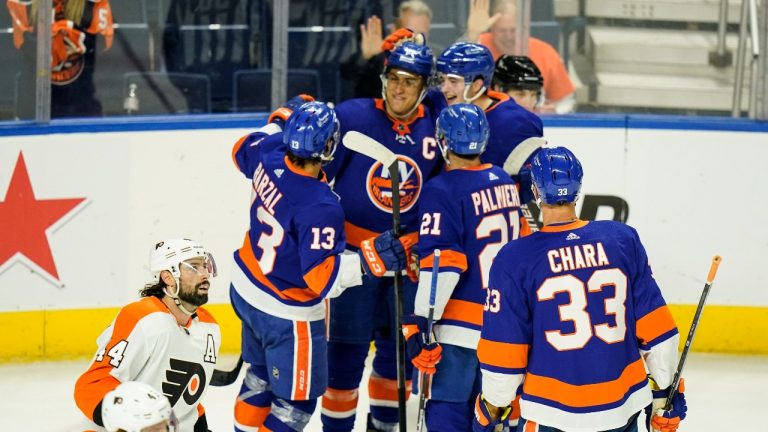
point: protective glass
(408, 82)
(208, 265)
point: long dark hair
(153, 290)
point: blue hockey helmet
(557, 175)
(463, 129)
(308, 130)
(467, 60)
(412, 57)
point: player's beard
(194, 297)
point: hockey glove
(399, 36)
(423, 354)
(412, 266)
(667, 421)
(484, 421)
(280, 115)
(384, 253)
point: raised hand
(280, 115)
(371, 37)
(479, 19)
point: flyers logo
(184, 379)
(379, 184)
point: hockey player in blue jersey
(576, 322)
(465, 71)
(469, 212)
(292, 258)
(401, 123)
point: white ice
(724, 393)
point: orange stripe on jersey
(356, 234)
(655, 324)
(96, 382)
(579, 396)
(448, 258)
(531, 426)
(236, 148)
(503, 354)
(204, 316)
(320, 275)
(340, 401)
(462, 310)
(525, 228)
(471, 168)
(499, 96)
(301, 360)
(567, 227)
(249, 259)
(249, 415)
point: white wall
(692, 194)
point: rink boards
(82, 203)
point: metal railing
(748, 22)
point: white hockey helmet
(169, 254)
(133, 406)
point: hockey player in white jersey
(165, 339)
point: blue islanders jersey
(469, 214)
(510, 125)
(364, 184)
(572, 311)
(289, 258)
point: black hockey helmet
(517, 73)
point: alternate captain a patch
(379, 184)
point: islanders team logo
(379, 184)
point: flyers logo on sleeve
(379, 184)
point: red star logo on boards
(24, 221)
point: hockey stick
(221, 378)
(514, 163)
(694, 325)
(368, 146)
(424, 378)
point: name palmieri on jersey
(495, 198)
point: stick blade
(368, 146)
(520, 154)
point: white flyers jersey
(145, 343)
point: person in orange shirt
(497, 32)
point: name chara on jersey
(577, 257)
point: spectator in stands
(497, 32)
(76, 24)
(364, 68)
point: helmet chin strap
(415, 106)
(176, 299)
(477, 95)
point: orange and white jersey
(145, 343)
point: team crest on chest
(379, 184)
